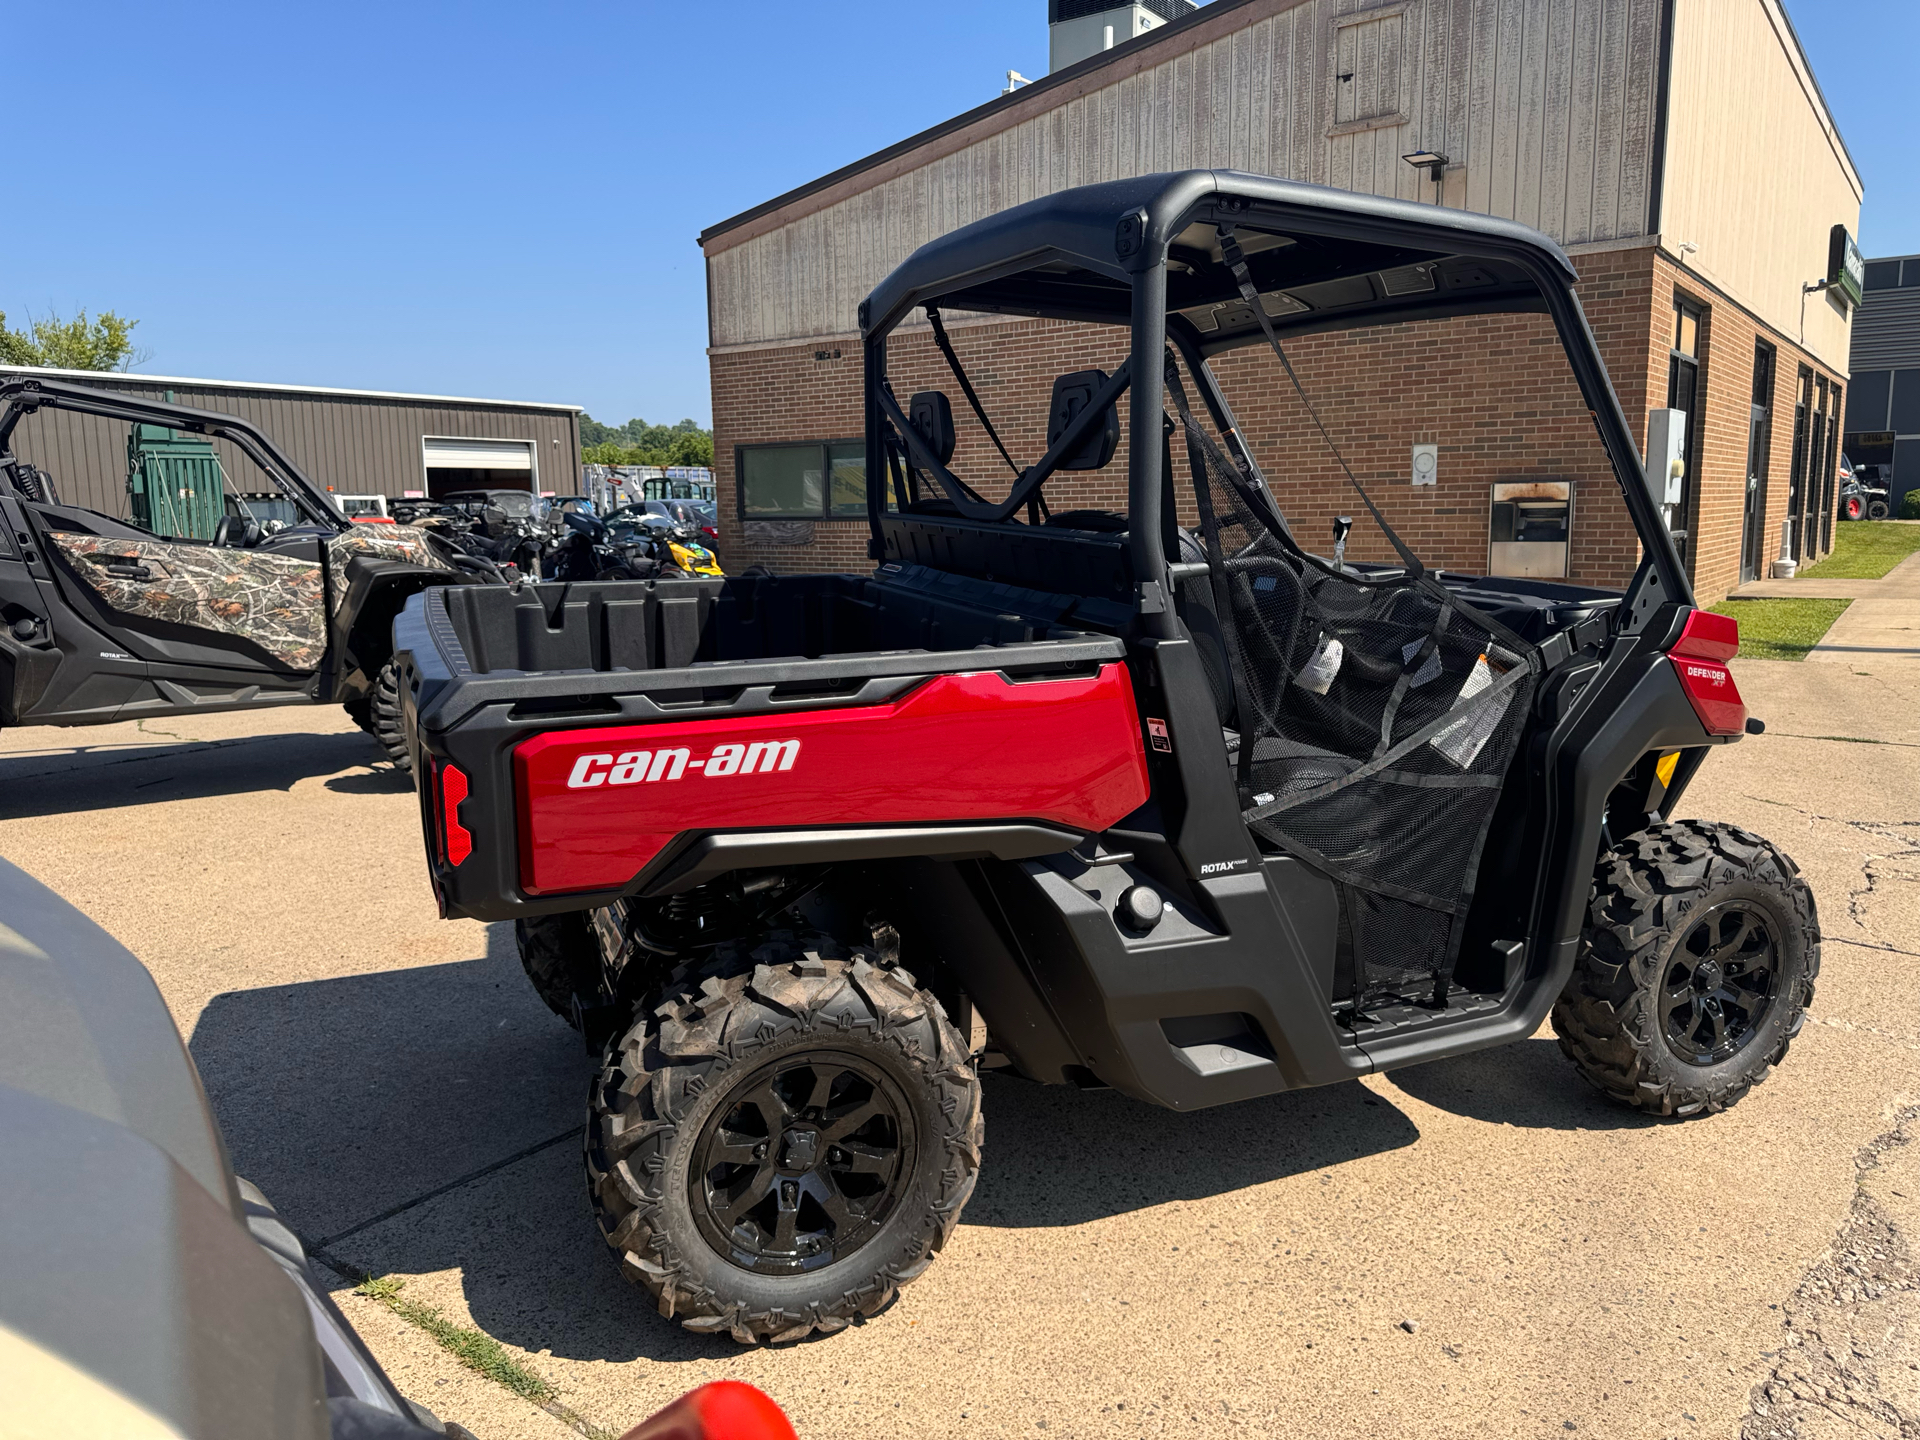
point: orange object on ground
(723, 1410)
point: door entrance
(456, 464)
(1753, 532)
(1797, 476)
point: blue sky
(501, 200)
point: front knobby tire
(784, 1139)
(1700, 956)
(383, 717)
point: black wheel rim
(1719, 983)
(801, 1163)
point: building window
(819, 480)
(1686, 391)
(1753, 525)
(1797, 477)
(1829, 482)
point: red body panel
(596, 805)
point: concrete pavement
(393, 1084)
(1882, 621)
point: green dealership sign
(1846, 268)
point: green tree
(638, 443)
(103, 343)
(694, 448)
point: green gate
(174, 484)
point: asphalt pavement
(1478, 1247)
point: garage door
(462, 454)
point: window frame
(1686, 307)
(825, 512)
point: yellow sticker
(1663, 767)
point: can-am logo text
(632, 766)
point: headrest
(1072, 394)
(932, 419)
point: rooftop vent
(1078, 29)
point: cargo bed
(550, 722)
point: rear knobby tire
(562, 958)
(1666, 902)
(779, 1017)
(1878, 510)
(383, 716)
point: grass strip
(1781, 629)
(1866, 550)
(472, 1348)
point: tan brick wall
(1726, 352)
(1493, 392)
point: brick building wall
(1493, 392)
(1726, 352)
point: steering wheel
(236, 532)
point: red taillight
(1709, 636)
(1696, 657)
(456, 842)
(710, 532)
(720, 1410)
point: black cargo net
(1371, 723)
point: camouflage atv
(102, 620)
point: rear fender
(376, 592)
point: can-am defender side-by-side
(1163, 801)
(102, 619)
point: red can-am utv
(1168, 803)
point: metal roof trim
(96, 377)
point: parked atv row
(567, 540)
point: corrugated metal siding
(1886, 331)
(1548, 105)
(359, 445)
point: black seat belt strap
(966, 387)
(1237, 263)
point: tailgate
(595, 807)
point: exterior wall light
(1431, 161)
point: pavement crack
(141, 726)
(1901, 839)
(1823, 1364)
(157, 752)
(1846, 739)
(318, 1246)
(1853, 1028)
(1867, 945)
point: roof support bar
(1144, 477)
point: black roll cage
(1115, 241)
(26, 394)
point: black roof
(1056, 256)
